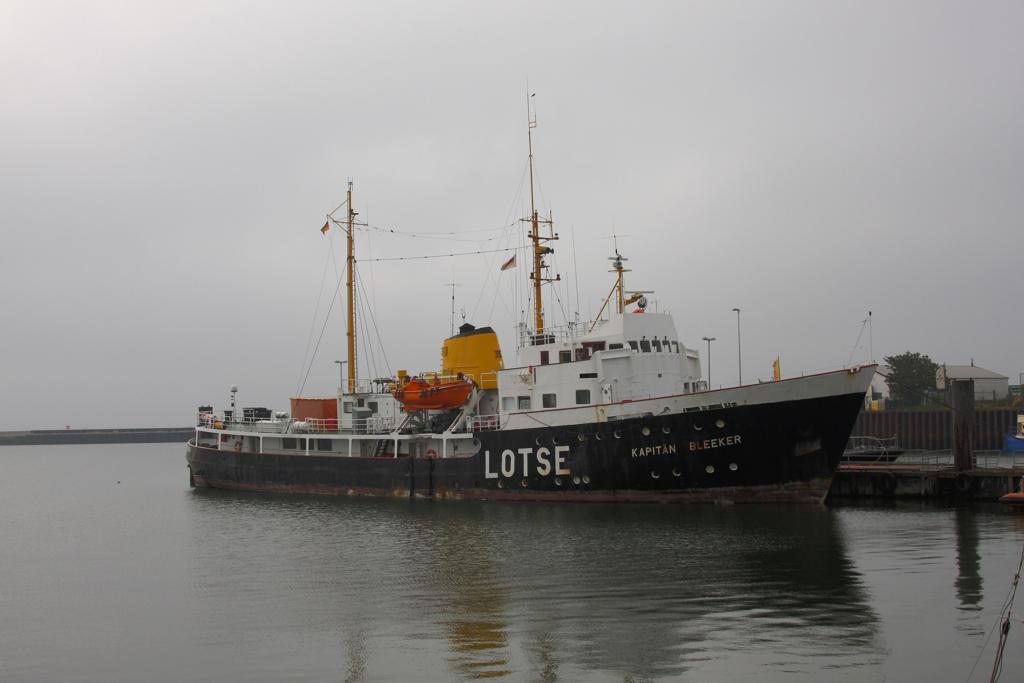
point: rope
(1004, 630)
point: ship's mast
(535, 237)
(620, 302)
(350, 327)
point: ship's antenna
(576, 274)
(453, 285)
(350, 331)
(871, 338)
(538, 251)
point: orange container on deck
(315, 409)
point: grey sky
(166, 168)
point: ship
(614, 409)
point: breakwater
(79, 436)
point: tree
(911, 378)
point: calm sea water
(111, 569)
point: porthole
(558, 481)
(666, 430)
(676, 473)
(710, 469)
(501, 484)
(576, 480)
(537, 441)
(581, 437)
(555, 440)
(524, 483)
(598, 436)
(720, 424)
(586, 479)
(646, 431)
(655, 475)
(697, 427)
(617, 434)
(733, 467)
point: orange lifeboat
(421, 394)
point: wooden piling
(962, 393)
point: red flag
(324, 229)
(511, 263)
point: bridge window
(645, 345)
(323, 444)
(524, 403)
(548, 400)
(588, 375)
(656, 344)
(508, 403)
(633, 346)
(582, 397)
(614, 345)
(288, 443)
(675, 347)
(565, 356)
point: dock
(930, 474)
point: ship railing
(370, 425)
(550, 335)
(362, 385)
(483, 423)
(277, 424)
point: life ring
(238, 446)
(964, 482)
(431, 453)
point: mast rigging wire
(312, 324)
(433, 256)
(373, 321)
(327, 318)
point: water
(113, 570)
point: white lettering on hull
(644, 451)
(539, 463)
(708, 444)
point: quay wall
(933, 429)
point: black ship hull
(786, 451)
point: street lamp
(341, 373)
(739, 347)
(709, 340)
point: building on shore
(988, 385)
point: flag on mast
(324, 229)
(511, 263)
(776, 369)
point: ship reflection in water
(536, 591)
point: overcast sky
(166, 167)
